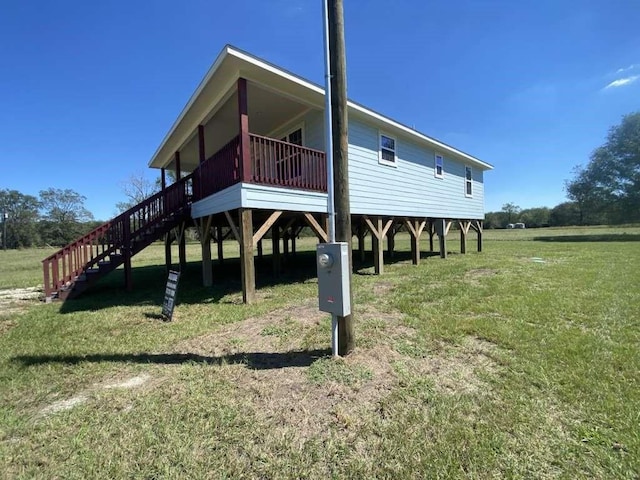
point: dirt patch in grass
(477, 275)
(456, 369)
(86, 395)
(5, 324)
(305, 394)
(382, 288)
(15, 301)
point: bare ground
(268, 360)
(283, 395)
(14, 302)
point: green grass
(478, 366)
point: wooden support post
(285, 243)
(478, 227)
(167, 251)
(205, 242)
(378, 249)
(260, 249)
(163, 179)
(442, 230)
(361, 234)
(243, 114)
(464, 229)
(275, 248)
(201, 158)
(176, 157)
(431, 233)
(391, 242)
(182, 250)
(415, 228)
(378, 232)
(246, 256)
(220, 239)
(126, 252)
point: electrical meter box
(332, 260)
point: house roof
(233, 63)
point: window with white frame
(468, 181)
(387, 149)
(438, 169)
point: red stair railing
(63, 267)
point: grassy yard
(520, 362)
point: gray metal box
(332, 260)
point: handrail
(112, 237)
(279, 163)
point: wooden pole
(246, 256)
(442, 237)
(275, 249)
(182, 247)
(205, 242)
(243, 114)
(177, 165)
(338, 72)
(220, 244)
(167, 251)
(128, 279)
(361, 233)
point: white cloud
(629, 68)
(622, 82)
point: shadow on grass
(253, 360)
(605, 237)
(149, 281)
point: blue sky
(89, 89)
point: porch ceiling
(267, 110)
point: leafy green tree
(511, 211)
(22, 217)
(494, 220)
(609, 186)
(564, 214)
(63, 216)
(535, 217)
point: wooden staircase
(74, 268)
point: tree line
(605, 191)
(56, 217)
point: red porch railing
(219, 171)
(114, 237)
(273, 162)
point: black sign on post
(170, 294)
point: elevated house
(248, 154)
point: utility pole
(338, 74)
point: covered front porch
(260, 142)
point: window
(468, 182)
(387, 150)
(438, 170)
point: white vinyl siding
(410, 189)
